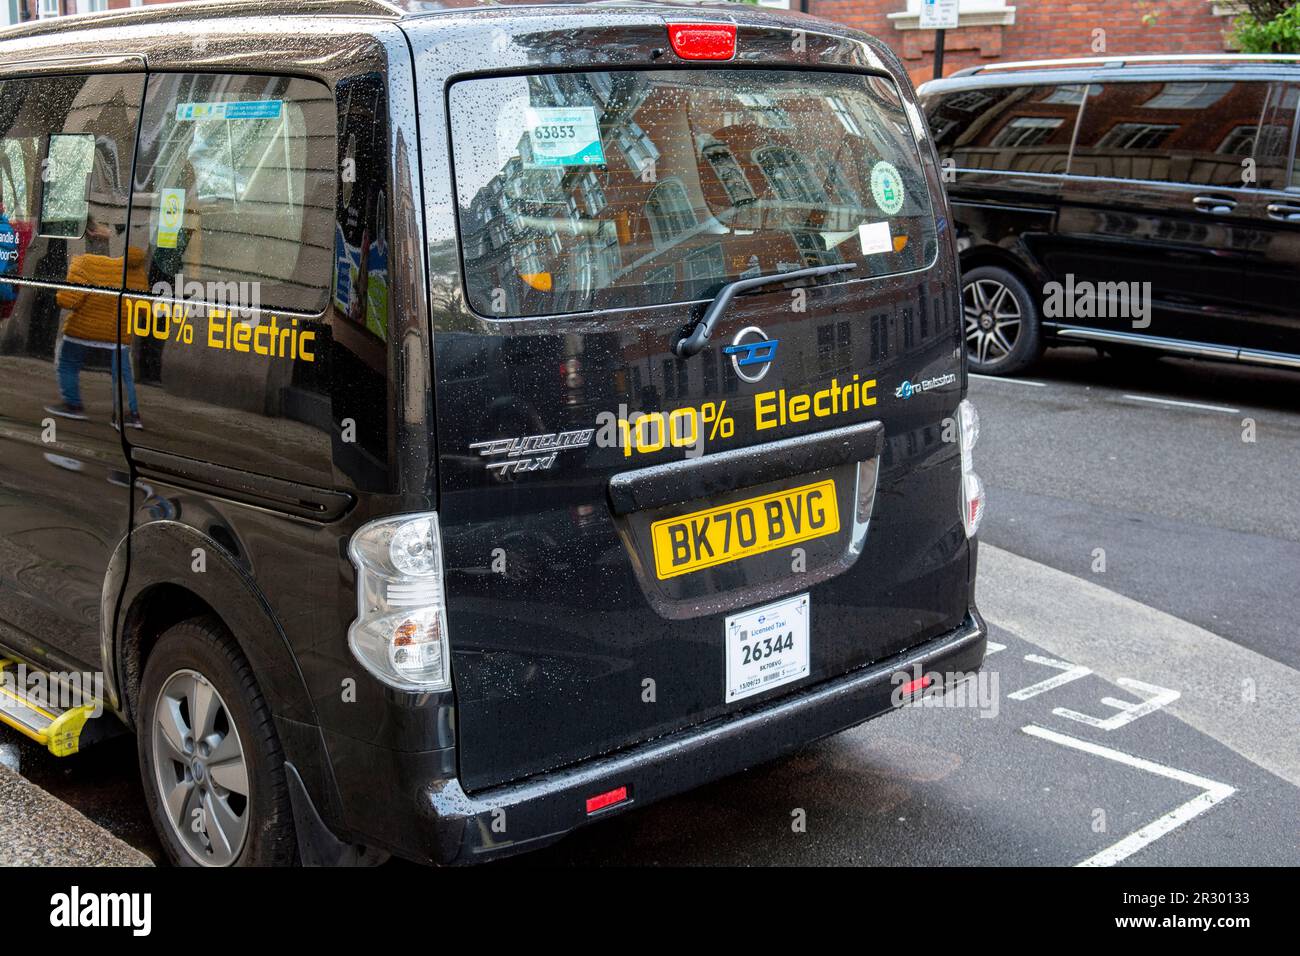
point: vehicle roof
(1100, 70)
(389, 10)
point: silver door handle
(1215, 205)
(1284, 211)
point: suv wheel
(212, 765)
(1001, 321)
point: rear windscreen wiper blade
(692, 341)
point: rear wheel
(1001, 321)
(212, 765)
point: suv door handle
(1215, 205)
(1285, 211)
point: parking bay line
(1242, 699)
(1012, 381)
(1212, 792)
(1177, 404)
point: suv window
(605, 190)
(1013, 128)
(235, 182)
(1274, 150)
(1200, 132)
(65, 165)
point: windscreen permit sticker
(887, 188)
(171, 216)
(875, 238)
(238, 110)
(564, 136)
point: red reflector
(703, 41)
(912, 686)
(607, 799)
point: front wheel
(211, 762)
(1001, 321)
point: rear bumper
(464, 828)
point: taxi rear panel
(607, 507)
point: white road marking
(1213, 792)
(992, 647)
(1071, 672)
(1177, 404)
(1242, 699)
(1013, 381)
(1159, 698)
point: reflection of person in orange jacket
(92, 323)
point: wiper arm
(693, 341)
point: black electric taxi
(432, 427)
(1146, 205)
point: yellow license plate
(715, 536)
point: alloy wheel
(992, 320)
(201, 769)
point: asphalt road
(1136, 712)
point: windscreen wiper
(692, 341)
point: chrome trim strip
(1260, 357)
(1146, 341)
(1181, 346)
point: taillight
(400, 634)
(607, 799)
(972, 489)
(703, 41)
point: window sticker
(171, 215)
(887, 188)
(237, 110)
(564, 136)
(875, 238)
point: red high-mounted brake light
(703, 41)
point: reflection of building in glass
(700, 183)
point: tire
(196, 669)
(1000, 322)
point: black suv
(1144, 203)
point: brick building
(991, 30)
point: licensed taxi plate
(767, 647)
(715, 536)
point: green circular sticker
(887, 188)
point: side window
(65, 158)
(1200, 133)
(235, 184)
(1014, 128)
(1276, 144)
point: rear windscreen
(584, 191)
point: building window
(789, 175)
(1026, 131)
(670, 212)
(48, 8)
(1187, 96)
(842, 114)
(639, 149)
(837, 184)
(729, 174)
(1136, 135)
